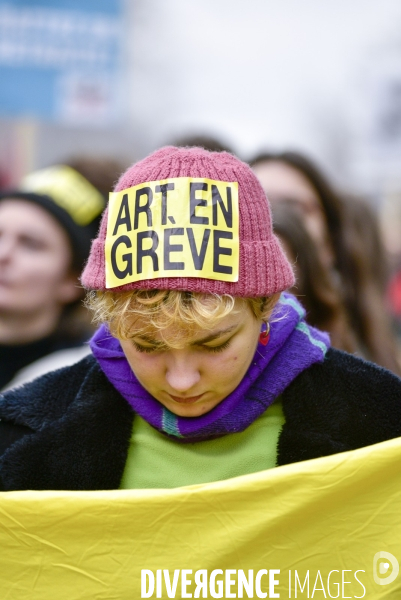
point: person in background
(314, 286)
(295, 178)
(46, 228)
(365, 240)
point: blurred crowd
(46, 226)
(348, 274)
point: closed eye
(219, 348)
(148, 349)
(32, 243)
(150, 345)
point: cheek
(228, 366)
(316, 226)
(43, 269)
(42, 284)
(241, 356)
(147, 368)
(224, 374)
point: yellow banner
(69, 189)
(327, 528)
(179, 227)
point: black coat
(70, 429)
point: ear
(69, 289)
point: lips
(187, 400)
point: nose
(182, 371)
(6, 248)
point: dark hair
(330, 200)
(207, 142)
(315, 287)
(102, 173)
(364, 237)
(349, 263)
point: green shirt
(155, 461)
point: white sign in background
(61, 60)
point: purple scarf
(293, 347)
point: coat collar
(84, 448)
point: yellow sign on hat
(178, 227)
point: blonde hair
(175, 314)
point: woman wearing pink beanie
(200, 353)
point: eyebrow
(214, 336)
(149, 340)
(205, 340)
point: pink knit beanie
(263, 267)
